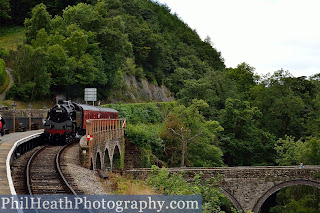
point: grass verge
(11, 37)
(126, 185)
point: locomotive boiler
(66, 121)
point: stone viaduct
(105, 142)
(249, 187)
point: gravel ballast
(87, 180)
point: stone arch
(118, 143)
(91, 165)
(98, 161)
(232, 199)
(116, 159)
(107, 160)
(277, 187)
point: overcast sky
(266, 34)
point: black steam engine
(67, 120)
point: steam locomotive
(67, 120)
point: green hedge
(146, 137)
(143, 112)
(2, 72)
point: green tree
(146, 137)
(242, 141)
(185, 138)
(211, 55)
(283, 108)
(310, 154)
(60, 67)
(215, 87)
(115, 48)
(298, 199)
(40, 19)
(41, 39)
(288, 151)
(292, 152)
(172, 148)
(4, 10)
(31, 74)
(310, 90)
(83, 15)
(195, 137)
(76, 44)
(244, 77)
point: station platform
(6, 144)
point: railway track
(45, 174)
(42, 171)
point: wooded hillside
(97, 44)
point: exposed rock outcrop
(142, 91)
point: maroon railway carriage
(67, 120)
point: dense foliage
(4, 10)
(298, 199)
(20, 9)
(95, 45)
(2, 72)
(4, 77)
(143, 128)
(151, 127)
(213, 201)
(190, 139)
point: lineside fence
(23, 119)
(100, 131)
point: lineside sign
(90, 94)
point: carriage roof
(93, 108)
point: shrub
(141, 113)
(175, 184)
(4, 53)
(2, 71)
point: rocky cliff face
(142, 91)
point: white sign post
(90, 94)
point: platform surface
(5, 146)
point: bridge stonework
(103, 148)
(249, 187)
(107, 139)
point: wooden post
(118, 126)
(88, 126)
(112, 129)
(30, 121)
(109, 129)
(14, 121)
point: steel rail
(57, 166)
(28, 173)
(60, 171)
